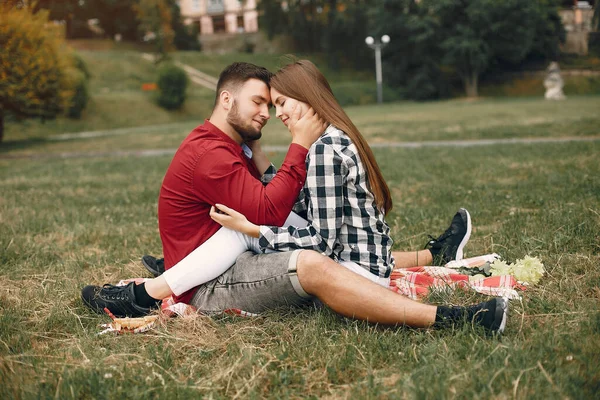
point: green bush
(172, 83)
(80, 97)
(361, 92)
(594, 43)
(81, 94)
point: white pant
(219, 253)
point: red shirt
(208, 168)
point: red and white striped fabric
(418, 282)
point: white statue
(554, 83)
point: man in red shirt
(221, 162)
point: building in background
(577, 20)
(220, 16)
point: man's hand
(229, 218)
(307, 129)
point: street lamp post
(377, 45)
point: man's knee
(313, 270)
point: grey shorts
(255, 283)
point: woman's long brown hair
(302, 81)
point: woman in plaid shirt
(345, 198)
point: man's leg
(255, 283)
(204, 264)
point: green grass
(65, 223)
(395, 122)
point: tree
(347, 25)
(477, 32)
(333, 27)
(115, 17)
(412, 59)
(72, 12)
(154, 17)
(272, 17)
(35, 66)
(185, 37)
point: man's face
(249, 111)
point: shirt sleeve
(223, 177)
(300, 207)
(325, 181)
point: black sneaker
(491, 315)
(119, 300)
(156, 266)
(450, 244)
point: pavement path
(282, 149)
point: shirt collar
(244, 149)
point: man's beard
(246, 131)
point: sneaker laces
(113, 292)
(433, 241)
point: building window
(215, 6)
(240, 23)
(218, 23)
(196, 5)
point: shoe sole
(503, 305)
(463, 242)
(154, 272)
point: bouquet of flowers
(527, 271)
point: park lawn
(65, 223)
(394, 122)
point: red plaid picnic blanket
(418, 282)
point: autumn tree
(35, 66)
(154, 18)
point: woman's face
(284, 106)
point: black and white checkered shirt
(344, 221)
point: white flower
(529, 269)
(499, 267)
(476, 277)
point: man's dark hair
(236, 74)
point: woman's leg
(208, 261)
(408, 259)
(204, 264)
